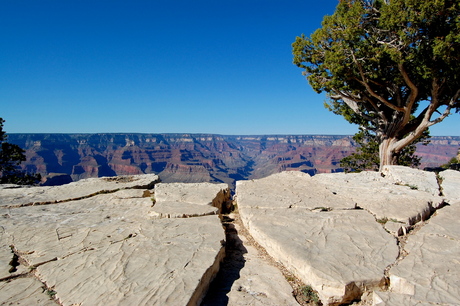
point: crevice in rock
(234, 262)
(30, 272)
(439, 180)
(230, 267)
(14, 263)
(402, 240)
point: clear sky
(162, 66)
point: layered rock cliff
(198, 157)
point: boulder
(105, 248)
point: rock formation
(391, 237)
(94, 242)
(193, 158)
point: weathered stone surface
(166, 209)
(106, 249)
(430, 272)
(290, 189)
(75, 190)
(450, 185)
(25, 291)
(260, 284)
(182, 200)
(381, 197)
(415, 178)
(248, 276)
(380, 298)
(339, 252)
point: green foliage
(367, 157)
(310, 295)
(390, 66)
(11, 156)
(453, 163)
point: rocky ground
(110, 241)
(389, 238)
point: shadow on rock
(230, 268)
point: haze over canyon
(199, 157)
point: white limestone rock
(290, 189)
(381, 197)
(184, 200)
(260, 284)
(197, 193)
(415, 178)
(106, 249)
(25, 291)
(166, 209)
(75, 190)
(430, 272)
(380, 298)
(450, 185)
(340, 253)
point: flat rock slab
(450, 185)
(166, 209)
(197, 193)
(291, 189)
(260, 284)
(13, 196)
(340, 253)
(414, 178)
(382, 197)
(430, 272)
(185, 200)
(247, 276)
(106, 249)
(25, 291)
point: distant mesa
(196, 158)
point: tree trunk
(387, 154)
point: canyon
(193, 158)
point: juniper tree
(391, 64)
(11, 156)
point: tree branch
(365, 83)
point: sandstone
(340, 253)
(450, 185)
(430, 272)
(105, 248)
(76, 190)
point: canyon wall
(198, 157)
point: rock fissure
(244, 253)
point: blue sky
(162, 66)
